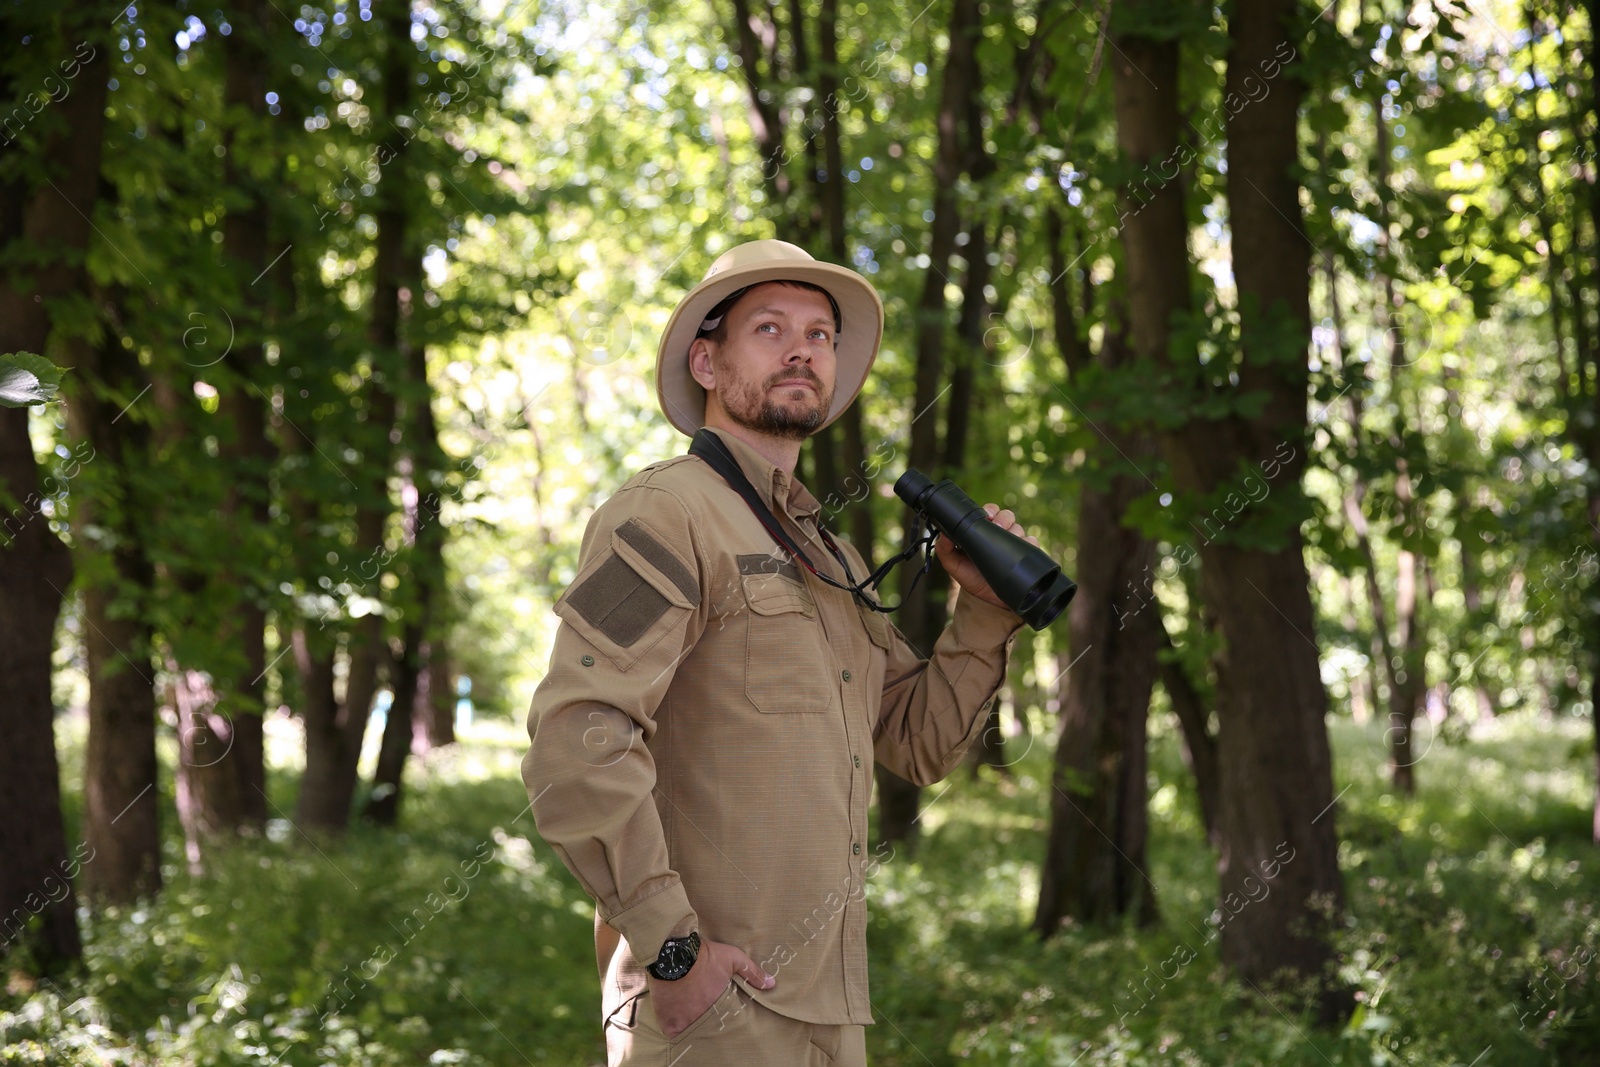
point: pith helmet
(859, 308)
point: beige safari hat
(860, 313)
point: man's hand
(964, 572)
(677, 1004)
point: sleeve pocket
(631, 596)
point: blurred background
(323, 330)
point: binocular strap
(708, 447)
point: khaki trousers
(736, 1031)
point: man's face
(775, 372)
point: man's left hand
(964, 572)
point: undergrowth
(1470, 933)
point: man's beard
(769, 418)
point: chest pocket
(877, 624)
(784, 670)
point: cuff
(657, 917)
(977, 624)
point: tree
(111, 534)
(335, 727)
(847, 446)
(221, 770)
(417, 670)
(1094, 867)
(1276, 771)
(923, 615)
(1275, 774)
(44, 207)
(1582, 395)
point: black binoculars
(1021, 574)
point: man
(702, 746)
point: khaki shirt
(702, 745)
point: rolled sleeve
(652, 920)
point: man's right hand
(680, 1003)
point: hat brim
(683, 400)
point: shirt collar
(777, 488)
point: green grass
(1471, 906)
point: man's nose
(799, 352)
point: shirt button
(856, 848)
(846, 675)
(858, 761)
(588, 661)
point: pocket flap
(656, 564)
(877, 624)
(774, 594)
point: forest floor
(1471, 931)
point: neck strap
(710, 448)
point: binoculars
(1021, 574)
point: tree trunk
(122, 803)
(423, 468)
(848, 445)
(334, 728)
(974, 341)
(1472, 597)
(38, 906)
(830, 175)
(1094, 869)
(121, 817)
(441, 696)
(1199, 743)
(924, 614)
(1590, 354)
(208, 792)
(35, 569)
(1405, 698)
(766, 118)
(1407, 683)
(1277, 774)
(221, 757)
(399, 729)
(1064, 320)
(329, 743)
(1275, 769)
(250, 453)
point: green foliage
(454, 942)
(573, 171)
(464, 940)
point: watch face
(676, 958)
(677, 963)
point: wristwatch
(677, 956)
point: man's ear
(700, 368)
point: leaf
(27, 379)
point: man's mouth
(797, 381)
